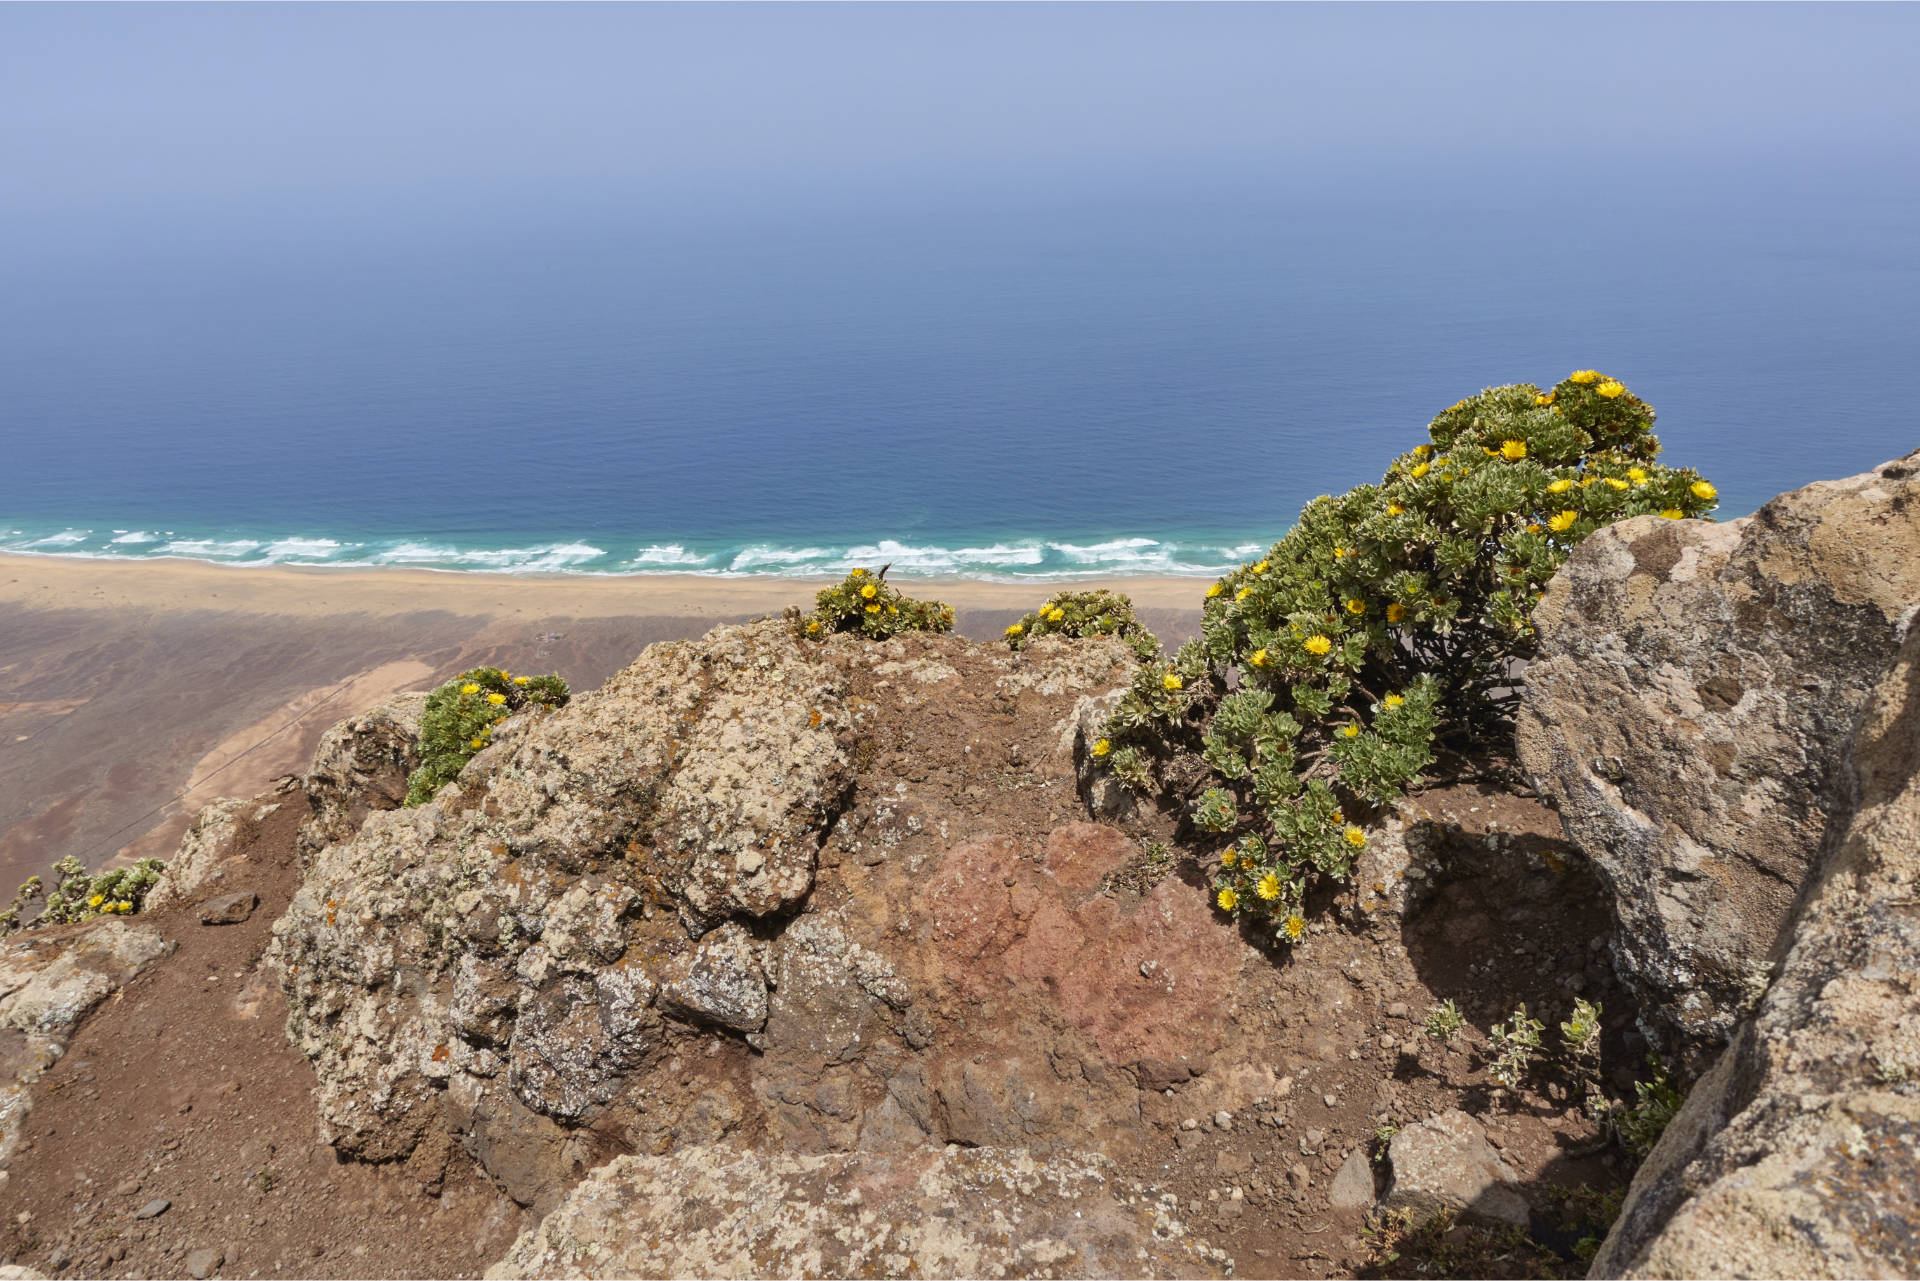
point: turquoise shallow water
(1132, 376)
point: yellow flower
(1513, 450)
(1701, 489)
(1227, 900)
(1355, 837)
(870, 590)
(1016, 629)
(1614, 482)
(1638, 475)
(1356, 606)
(858, 573)
(521, 680)
(1317, 644)
(1560, 486)
(1488, 450)
(1584, 376)
(1214, 590)
(1339, 552)
(1171, 682)
(1262, 567)
(1055, 615)
(1394, 509)
(1394, 700)
(1228, 859)
(813, 627)
(96, 900)
(1534, 529)
(469, 688)
(1419, 470)
(1101, 747)
(1611, 389)
(1268, 887)
(1350, 731)
(1243, 593)
(1258, 658)
(496, 699)
(1396, 612)
(893, 609)
(477, 744)
(873, 609)
(1674, 513)
(1544, 398)
(1563, 522)
(1421, 451)
(1294, 928)
(123, 906)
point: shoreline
(44, 582)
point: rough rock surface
(1798, 1155)
(204, 853)
(921, 1212)
(49, 981)
(359, 766)
(1696, 687)
(492, 948)
(1446, 1163)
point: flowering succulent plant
(1385, 624)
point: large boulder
(1798, 1155)
(1688, 716)
(361, 765)
(498, 950)
(923, 1212)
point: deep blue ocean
(1149, 373)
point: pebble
(1190, 1123)
(153, 1209)
(1329, 1100)
(202, 1264)
(1387, 1043)
(1297, 1175)
(1397, 1010)
(127, 1187)
(1223, 1120)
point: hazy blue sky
(199, 108)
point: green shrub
(76, 896)
(1656, 1101)
(1385, 626)
(1077, 614)
(459, 718)
(1514, 1044)
(864, 603)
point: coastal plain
(133, 693)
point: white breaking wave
(201, 548)
(137, 536)
(66, 538)
(550, 558)
(285, 549)
(668, 554)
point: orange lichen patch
(813, 722)
(440, 1053)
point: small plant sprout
(1641, 1123)
(1444, 1020)
(1580, 1034)
(1514, 1043)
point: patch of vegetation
(1640, 1124)
(1077, 614)
(1445, 1020)
(457, 722)
(1442, 1246)
(78, 896)
(1384, 629)
(864, 603)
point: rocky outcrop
(1798, 1155)
(922, 1212)
(499, 949)
(1689, 714)
(663, 917)
(50, 980)
(361, 765)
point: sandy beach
(131, 693)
